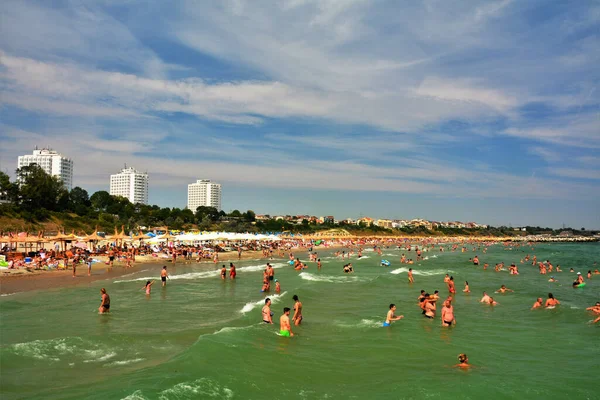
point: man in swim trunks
(551, 302)
(448, 314)
(105, 304)
(266, 312)
(538, 303)
(232, 272)
(297, 311)
(429, 307)
(285, 329)
(421, 296)
(164, 275)
(410, 276)
(391, 316)
(463, 361)
(270, 272)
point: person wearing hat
(579, 278)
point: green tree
(211, 212)
(235, 214)
(249, 216)
(79, 201)
(101, 200)
(8, 190)
(38, 190)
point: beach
(202, 337)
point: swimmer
(436, 295)
(164, 275)
(391, 316)
(492, 302)
(466, 289)
(297, 311)
(485, 298)
(148, 286)
(277, 286)
(223, 272)
(285, 329)
(504, 289)
(446, 278)
(538, 303)
(267, 315)
(411, 279)
(448, 318)
(105, 304)
(595, 308)
(232, 271)
(319, 265)
(551, 302)
(552, 279)
(463, 361)
(589, 274)
(421, 296)
(571, 270)
(579, 278)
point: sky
(485, 111)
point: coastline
(16, 281)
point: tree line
(36, 196)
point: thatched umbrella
(119, 236)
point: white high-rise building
(53, 163)
(204, 193)
(131, 184)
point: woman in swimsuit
(105, 304)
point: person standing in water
(411, 279)
(467, 290)
(89, 265)
(285, 329)
(277, 286)
(451, 288)
(391, 316)
(164, 275)
(448, 318)
(232, 272)
(223, 272)
(297, 311)
(148, 286)
(267, 315)
(105, 304)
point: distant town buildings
(131, 184)
(52, 163)
(204, 193)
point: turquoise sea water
(202, 338)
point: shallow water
(201, 337)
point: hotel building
(131, 184)
(204, 193)
(52, 162)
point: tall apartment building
(52, 162)
(131, 184)
(204, 193)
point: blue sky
(484, 111)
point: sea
(202, 338)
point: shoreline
(18, 281)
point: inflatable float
(385, 263)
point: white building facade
(131, 184)
(52, 163)
(204, 193)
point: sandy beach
(21, 280)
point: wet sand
(21, 280)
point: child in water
(148, 286)
(277, 286)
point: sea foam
(250, 306)
(328, 278)
(403, 270)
